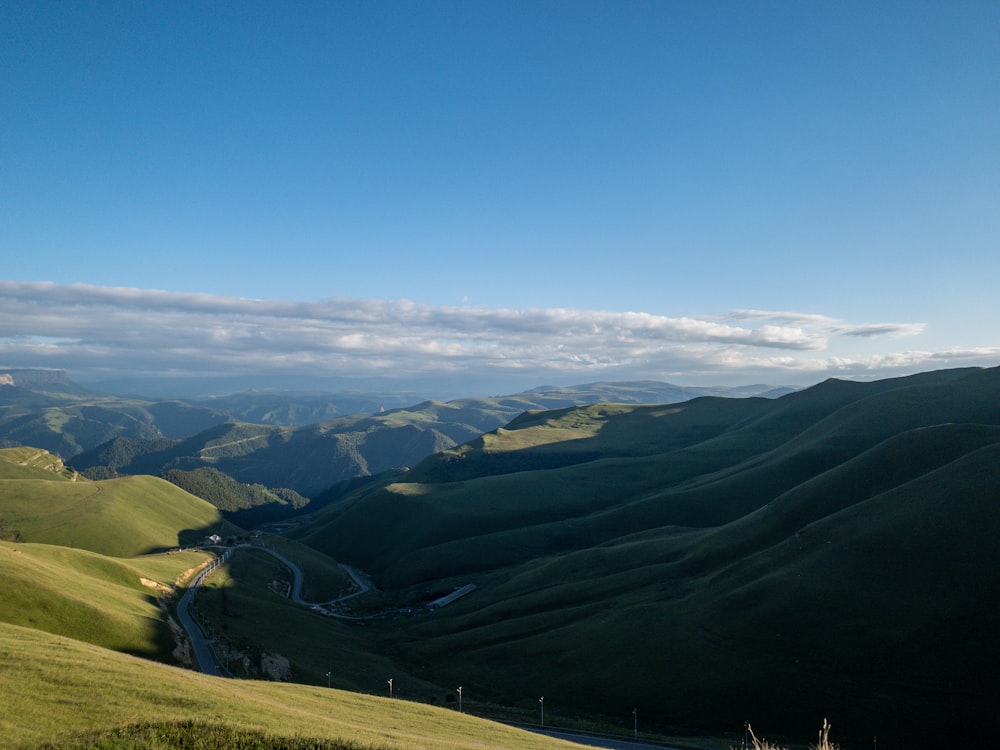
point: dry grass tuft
(824, 738)
(756, 743)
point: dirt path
(232, 442)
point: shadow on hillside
(224, 533)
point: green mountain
(311, 458)
(828, 553)
(46, 410)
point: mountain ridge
(815, 544)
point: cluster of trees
(244, 503)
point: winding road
(201, 646)
(202, 649)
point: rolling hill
(305, 442)
(116, 517)
(46, 410)
(310, 459)
(828, 553)
(73, 621)
(61, 693)
(84, 559)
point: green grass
(60, 691)
(89, 597)
(239, 604)
(117, 517)
(324, 579)
(828, 554)
(841, 609)
(825, 553)
(32, 463)
(190, 734)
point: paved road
(595, 740)
(362, 583)
(202, 650)
(206, 658)
(200, 645)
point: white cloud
(92, 330)
(828, 325)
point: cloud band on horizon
(95, 329)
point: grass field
(826, 553)
(116, 517)
(70, 619)
(56, 689)
(90, 597)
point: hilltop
(49, 504)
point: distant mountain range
(281, 440)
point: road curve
(201, 647)
(205, 657)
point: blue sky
(700, 192)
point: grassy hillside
(307, 459)
(311, 458)
(118, 517)
(240, 601)
(69, 562)
(827, 553)
(70, 618)
(91, 598)
(33, 463)
(615, 469)
(56, 688)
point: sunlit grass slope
(55, 688)
(118, 517)
(32, 463)
(79, 594)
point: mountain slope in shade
(829, 553)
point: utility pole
(390, 686)
(459, 691)
(635, 722)
(542, 703)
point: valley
(701, 563)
